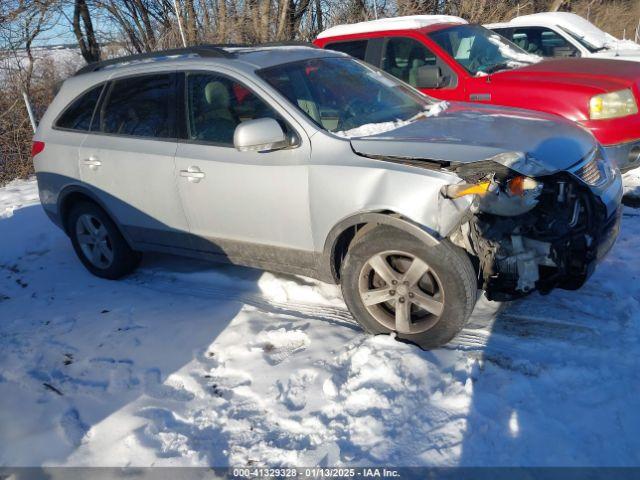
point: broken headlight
(498, 194)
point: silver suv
(307, 161)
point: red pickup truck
(448, 58)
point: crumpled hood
(466, 133)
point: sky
(61, 31)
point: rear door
(128, 158)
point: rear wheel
(392, 282)
(99, 244)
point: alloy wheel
(401, 292)
(94, 241)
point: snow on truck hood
(466, 133)
(619, 53)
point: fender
(83, 190)
(391, 219)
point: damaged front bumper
(557, 244)
(625, 155)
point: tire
(447, 288)
(87, 223)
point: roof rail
(287, 43)
(211, 51)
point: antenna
(32, 117)
(175, 7)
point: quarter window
(355, 48)
(78, 115)
(216, 105)
(140, 106)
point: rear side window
(355, 48)
(140, 106)
(78, 115)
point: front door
(403, 57)
(250, 207)
(128, 158)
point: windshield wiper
(498, 66)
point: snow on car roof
(409, 22)
(570, 21)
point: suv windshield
(343, 95)
(481, 51)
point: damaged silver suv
(307, 161)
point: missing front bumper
(556, 245)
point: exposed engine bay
(531, 234)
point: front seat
(416, 60)
(217, 123)
(523, 43)
(390, 64)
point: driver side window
(216, 105)
(403, 56)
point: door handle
(92, 162)
(480, 97)
(192, 174)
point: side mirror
(429, 76)
(259, 135)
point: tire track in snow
(180, 287)
(509, 328)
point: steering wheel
(353, 109)
(477, 63)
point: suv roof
(410, 22)
(256, 56)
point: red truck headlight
(612, 105)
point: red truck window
(355, 48)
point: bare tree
(557, 4)
(23, 21)
(84, 32)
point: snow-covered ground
(632, 186)
(186, 363)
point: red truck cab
(450, 59)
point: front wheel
(392, 282)
(99, 244)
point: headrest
(217, 95)
(523, 43)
